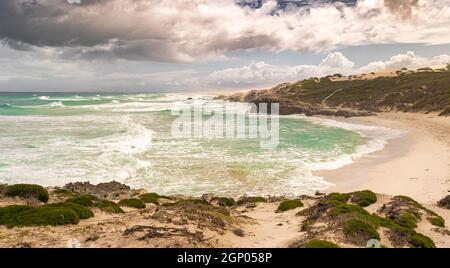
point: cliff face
(424, 90)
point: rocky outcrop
(290, 105)
(108, 190)
(445, 202)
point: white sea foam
(56, 104)
(377, 137)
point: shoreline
(419, 159)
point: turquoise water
(55, 138)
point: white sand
(416, 165)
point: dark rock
(239, 232)
(108, 190)
(445, 202)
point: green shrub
(28, 191)
(189, 202)
(150, 198)
(63, 192)
(338, 197)
(306, 225)
(13, 216)
(132, 203)
(82, 212)
(364, 198)
(407, 219)
(289, 204)
(360, 232)
(108, 206)
(320, 244)
(437, 221)
(343, 208)
(3, 188)
(251, 199)
(12, 211)
(224, 201)
(409, 200)
(420, 241)
(83, 200)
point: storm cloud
(204, 30)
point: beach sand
(417, 164)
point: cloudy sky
(205, 45)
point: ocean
(55, 138)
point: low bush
(82, 212)
(320, 244)
(85, 200)
(251, 199)
(343, 208)
(437, 221)
(338, 197)
(420, 241)
(224, 201)
(359, 232)
(28, 191)
(63, 192)
(16, 216)
(108, 206)
(150, 198)
(364, 198)
(289, 205)
(132, 203)
(408, 220)
(409, 200)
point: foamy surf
(377, 137)
(126, 137)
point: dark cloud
(401, 7)
(201, 30)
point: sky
(211, 45)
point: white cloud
(264, 74)
(202, 30)
(261, 73)
(43, 69)
(336, 60)
(408, 60)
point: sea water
(55, 138)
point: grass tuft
(289, 205)
(364, 198)
(132, 203)
(28, 191)
(320, 244)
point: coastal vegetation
(407, 91)
(364, 198)
(289, 205)
(397, 218)
(320, 244)
(338, 217)
(359, 232)
(224, 201)
(16, 215)
(132, 203)
(27, 191)
(152, 198)
(251, 199)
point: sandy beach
(417, 164)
